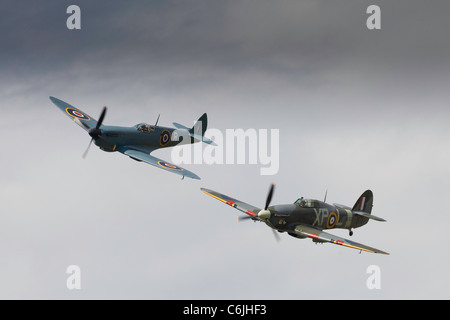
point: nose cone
(264, 214)
(95, 133)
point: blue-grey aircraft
(307, 218)
(138, 141)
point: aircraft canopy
(144, 127)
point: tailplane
(198, 130)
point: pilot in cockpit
(298, 202)
(146, 128)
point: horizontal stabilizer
(180, 126)
(203, 139)
(194, 135)
(368, 215)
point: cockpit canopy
(144, 127)
(307, 203)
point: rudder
(364, 202)
(200, 126)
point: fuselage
(313, 213)
(141, 137)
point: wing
(142, 156)
(78, 116)
(321, 236)
(241, 206)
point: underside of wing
(147, 158)
(237, 204)
(78, 116)
(318, 235)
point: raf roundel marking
(77, 114)
(164, 138)
(332, 220)
(169, 166)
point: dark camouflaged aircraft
(307, 218)
(140, 140)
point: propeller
(263, 214)
(242, 218)
(276, 235)
(86, 152)
(269, 196)
(96, 133)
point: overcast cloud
(356, 109)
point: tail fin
(364, 203)
(363, 209)
(200, 126)
(197, 132)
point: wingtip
(377, 251)
(208, 192)
(192, 176)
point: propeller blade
(269, 196)
(242, 218)
(94, 132)
(81, 124)
(86, 152)
(102, 116)
(276, 235)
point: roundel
(169, 166)
(164, 138)
(77, 114)
(332, 220)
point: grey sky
(356, 109)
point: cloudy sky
(356, 109)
